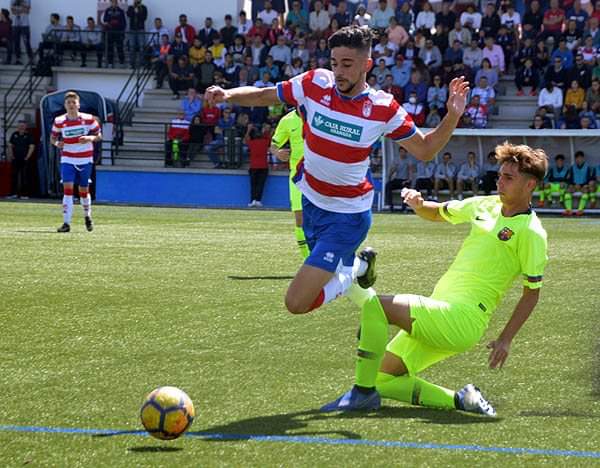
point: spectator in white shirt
(471, 18)
(381, 16)
(268, 14)
(426, 18)
(468, 176)
(244, 24)
(318, 20)
(362, 18)
(551, 99)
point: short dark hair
(56, 16)
(228, 17)
(579, 153)
(559, 157)
(353, 37)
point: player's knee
(295, 305)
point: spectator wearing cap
(454, 54)
(380, 19)
(446, 17)
(431, 55)
(471, 18)
(187, 31)
(228, 32)
(494, 53)
(527, 75)
(207, 33)
(472, 56)
(400, 72)
(460, 34)
(318, 20)
(557, 74)
(362, 18)
(581, 72)
(396, 34)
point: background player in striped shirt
(506, 241)
(75, 133)
(342, 117)
(289, 131)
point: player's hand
(499, 353)
(60, 144)
(412, 198)
(283, 154)
(457, 96)
(86, 139)
(215, 95)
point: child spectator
(527, 76)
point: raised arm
(245, 96)
(425, 147)
(501, 346)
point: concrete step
(516, 112)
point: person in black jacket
(137, 14)
(114, 24)
(527, 75)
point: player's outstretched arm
(425, 209)
(245, 96)
(426, 146)
(501, 346)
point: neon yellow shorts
(295, 197)
(440, 330)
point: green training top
(496, 251)
(290, 128)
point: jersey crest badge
(505, 234)
(367, 108)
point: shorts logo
(505, 234)
(336, 128)
(329, 257)
(367, 108)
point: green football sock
(583, 201)
(568, 201)
(413, 390)
(359, 295)
(545, 193)
(371, 347)
(301, 239)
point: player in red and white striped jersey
(75, 133)
(342, 117)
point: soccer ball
(167, 413)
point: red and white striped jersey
(338, 135)
(70, 130)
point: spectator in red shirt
(258, 145)
(188, 32)
(178, 137)
(554, 19)
(210, 116)
(259, 29)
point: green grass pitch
(91, 322)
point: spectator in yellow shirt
(197, 53)
(575, 96)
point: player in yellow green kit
(506, 241)
(289, 129)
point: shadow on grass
(557, 414)
(31, 231)
(246, 278)
(297, 424)
(154, 449)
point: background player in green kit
(506, 241)
(581, 179)
(289, 130)
(555, 182)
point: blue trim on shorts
(76, 173)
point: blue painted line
(318, 440)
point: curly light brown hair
(533, 162)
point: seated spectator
(209, 116)
(511, 19)
(454, 54)
(91, 41)
(592, 97)
(489, 176)
(554, 18)
(301, 51)
(179, 48)
(196, 53)
(488, 72)
(557, 74)
(70, 38)
(418, 86)
(587, 122)
(268, 14)
(178, 137)
(581, 72)
(228, 32)
(425, 20)
(297, 17)
(181, 77)
(555, 182)
(220, 80)
(52, 36)
(275, 112)
(460, 34)
(592, 31)
(551, 98)
(322, 53)
(506, 40)
(294, 69)
(259, 29)
(258, 142)
(205, 73)
(156, 32)
(186, 30)
(318, 20)
(575, 96)
(527, 76)
(476, 114)
(160, 59)
(578, 14)
(572, 37)
(251, 70)
(281, 53)
(381, 72)
(569, 119)
(468, 176)
(437, 94)
(580, 179)
(197, 133)
(440, 38)
(230, 70)
(487, 95)
(389, 87)
(270, 68)
(342, 15)
(274, 32)
(424, 176)
(446, 17)
(218, 51)
(6, 35)
(433, 118)
(405, 17)
(238, 49)
(380, 18)
(258, 51)
(400, 176)
(191, 105)
(444, 175)
(431, 55)
(400, 71)
(396, 34)
(540, 123)
(244, 25)
(385, 50)
(542, 56)
(494, 53)
(470, 18)
(588, 52)
(208, 33)
(526, 50)
(409, 52)
(563, 53)
(473, 56)
(532, 20)
(415, 109)
(215, 147)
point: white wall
(168, 10)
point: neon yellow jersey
(496, 251)
(289, 129)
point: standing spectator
(207, 34)
(70, 39)
(401, 71)
(114, 25)
(178, 137)
(192, 105)
(20, 152)
(444, 175)
(258, 145)
(187, 31)
(137, 14)
(318, 20)
(494, 54)
(6, 34)
(51, 37)
(476, 114)
(20, 28)
(244, 24)
(424, 176)
(400, 175)
(437, 94)
(181, 77)
(205, 73)
(490, 173)
(91, 41)
(468, 176)
(472, 56)
(297, 17)
(527, 76)
(554, 18)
